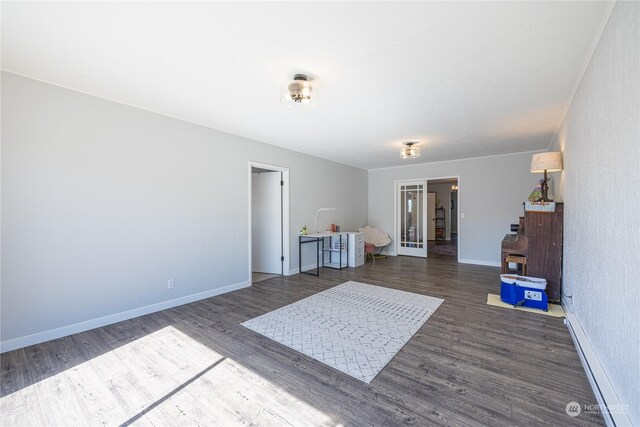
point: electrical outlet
(171, 283)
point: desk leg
(299, 255)
(318, 256)
(300, 243)
(347, 253)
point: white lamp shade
(550, 162)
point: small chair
(516, 259)
(377, 237)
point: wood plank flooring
(470, 364)
(433, 255)
(259, 277)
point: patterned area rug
(354, 327)
(451, 250)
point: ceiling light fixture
(298, 92)
(410, 151)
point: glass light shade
(550, 162)
(298, 92)
(410, 152)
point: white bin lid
(525, 281)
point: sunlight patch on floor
(230, 394)
(165, 377)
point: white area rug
(354, 327)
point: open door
(266, 222)
(412, 219)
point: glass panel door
(411, 221)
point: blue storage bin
(524, 291)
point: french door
(411, 218)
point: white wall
(491, 192)
(102, 203)
(600, 185)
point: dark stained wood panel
(469, 365)
(544, 257)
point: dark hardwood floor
(433, 243)
(470, 364)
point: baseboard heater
(602, 388)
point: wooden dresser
(544, 253)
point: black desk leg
(300, 243)
(299, 255)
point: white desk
(337, 257)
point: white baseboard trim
(63, 331)
(602, 388)
(480, 262)
(304, 268)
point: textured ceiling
(463, 79)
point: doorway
(268, 221)
(427, 218)
(443, 239)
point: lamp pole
(544, 188)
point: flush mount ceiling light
(298, 92)
(410, 151)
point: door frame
(396, 206)
(284, 218)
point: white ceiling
(463, 79)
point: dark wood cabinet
(544, 231)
